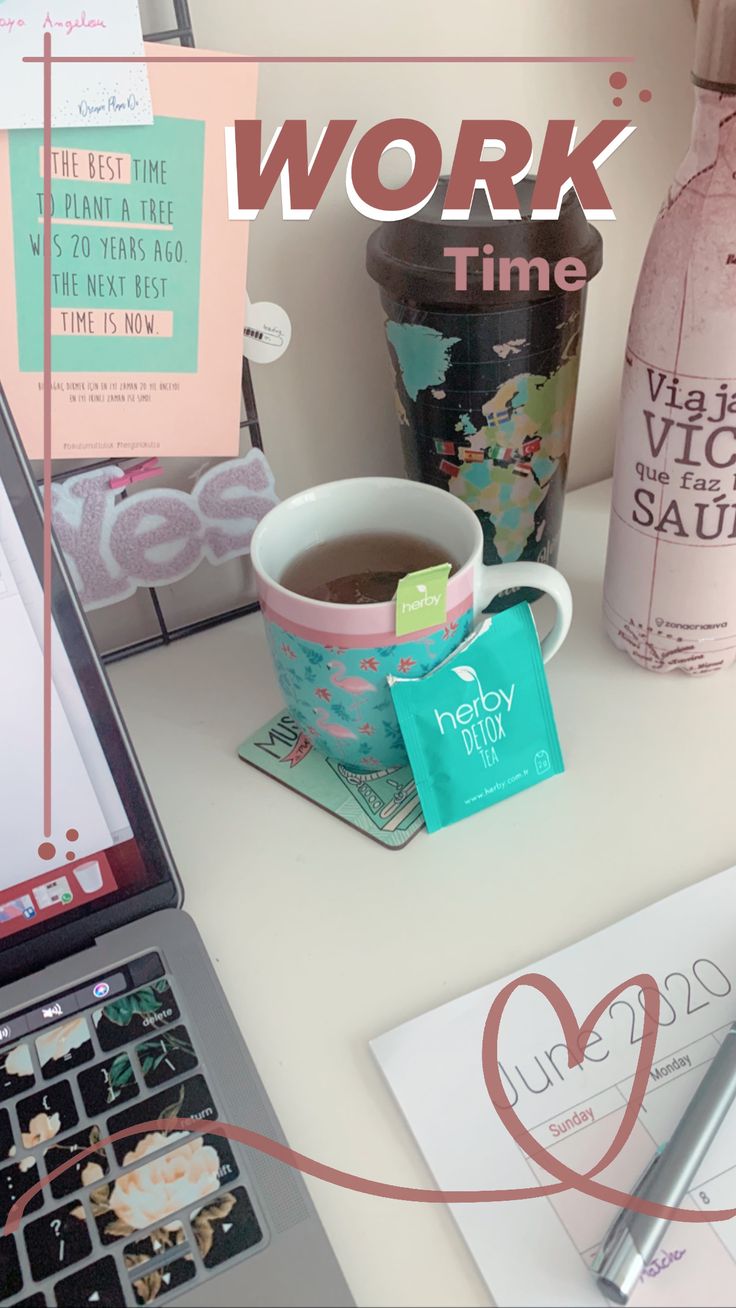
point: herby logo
(485, 702)
(421, 600)
(425, 600)
(480, 720)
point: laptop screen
(92, 857)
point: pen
(633, 1238)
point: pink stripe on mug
(376, 628)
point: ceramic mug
(332, 660)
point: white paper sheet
(74, 799)
(536, 1251)
(82, 95)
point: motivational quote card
(148, 274)
(81, 94)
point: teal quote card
(126, 247)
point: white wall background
(327, 406)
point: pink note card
(148, 274)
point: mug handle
(499, 577)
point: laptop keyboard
(136, 1220)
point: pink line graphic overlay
(47, 578)
(576, 1038)
(48, 59)
(336, 59)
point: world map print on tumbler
(485, 403)
(126, 246)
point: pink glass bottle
(670, 585)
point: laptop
(110, 1010)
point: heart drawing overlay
(576, 1039)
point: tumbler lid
(714, 65)
(407, 257)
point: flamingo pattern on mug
(340, 697)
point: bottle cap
(714, 66)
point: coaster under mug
(383, 804)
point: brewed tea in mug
(363, 568)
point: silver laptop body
(111, 1013)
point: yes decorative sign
(155, 537)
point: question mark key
(58, 1240)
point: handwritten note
(82, 94)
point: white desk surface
(322, 939)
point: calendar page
(538, 1251)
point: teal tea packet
(480, 727)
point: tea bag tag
(421, 599)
